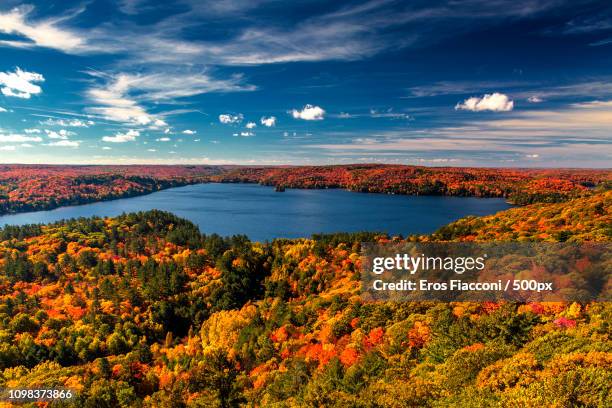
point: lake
(263, 214)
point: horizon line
(302, 165)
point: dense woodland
(520, 186)
(144, 310)
(31, 188)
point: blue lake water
(263, 214)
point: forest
(42, 187)
(32, 188)
(143, 310)
(519, 186)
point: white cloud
(175, 83)
(116, 104)
(600, 88)
(7, 148)
(247, 134)
(61, 134)
(348, 32)
(535, 99)
(30, 131)
(309, 112)
(41, 34)
(151, 150)
(325, 37)
(268, 121)
(123, 97)
(496, 102)
(229, 119)
(189, 132)
(388, 113)
(26, 145)
(68, 122)
(157, 124)
(251, 125)
(128, 136)
(65, 143)
(20, 83)
(14, 138)
(163, 139)
(107, 148)
(2, 109)
(576, 134)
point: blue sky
(524, 83)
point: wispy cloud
(67, 122)
(599, 43)
(578, 132)
(124, 97)
(42, 33)
(347, 32)
(169, 85)
(387, 113)
(589, 24)
(463, 87)
(17, 138)
(535, 99)
(113, 102)
(158, 56)
(593, 88)
(599, 88)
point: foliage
(41, 187)
(143, 310)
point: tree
(218, 373)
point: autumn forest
(143, 310)
(31, 187)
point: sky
(521, 83)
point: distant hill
(42, 187)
